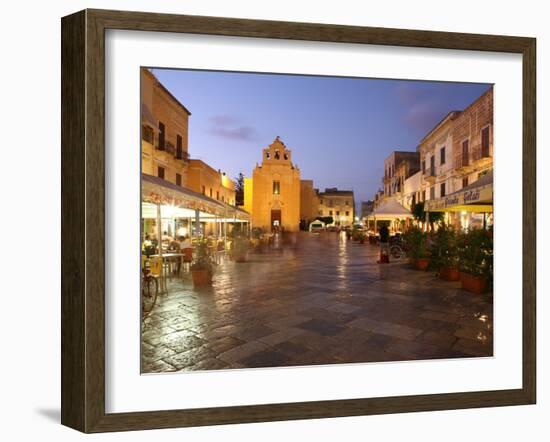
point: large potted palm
(417, 251)
(475, 251)
(202, 268)
(444, 253)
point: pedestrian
(384, 245)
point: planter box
(449, 274)
(422, 263)
(201, 277)
(474, 284)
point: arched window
(277, 156)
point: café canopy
(477, 197)
(164, 200)
(390, 210)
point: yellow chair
(155, 267)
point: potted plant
(239, 248)
(417, 251)
(361, 236)
(257, 240)
(475, 251)
(444, 253)
(203, 267)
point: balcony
(182, 156)
(481, 156)
(463, 163)
(429, 174)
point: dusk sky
(338, 129)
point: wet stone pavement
(324, 300)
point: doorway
(276, 220)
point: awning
(184, 201)
(477, 197)
(389, 210)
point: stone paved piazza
(323, 301)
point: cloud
(230, 128)
(423, 107)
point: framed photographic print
(270, 220)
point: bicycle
(149, 290)
(397, 249)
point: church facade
(272, 194)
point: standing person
(384, 244)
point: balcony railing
(182, 155)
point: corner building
(272, 195)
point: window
(286, 156)
(276, 187)
(423, 166)
(432, 192)
(442, 155)
(178, 179)
(211, 192)
(223, 199)
(485, 142)
(432, 165)
(465, 153)
(267, 156)
(347, 203)
(147, 134)
(321, 212)
(442, 190)
(423, 195)
(330, 212)
(277, 156)
(464, 182)
(347, 212)
(413, 203)
(337, 213)
(162, 135)
(203, 190)
(179, 147)
(160, 172)
(217, 194)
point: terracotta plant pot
(201, 277)
(422, 263)
(449, 273)
(474, 284)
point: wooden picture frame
(83, 220)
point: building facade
(211, 182)
(473, 141)
(339, 204)
(272, 194)
(309, 203)
(454, 156)
(411, 188)
(436, 159)
(164, 132)
(399, 166)
(366, 208)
